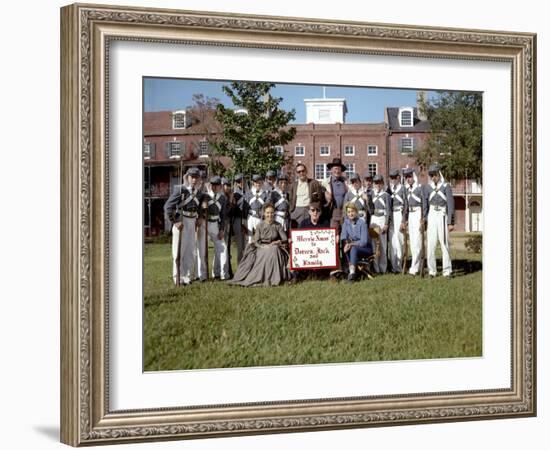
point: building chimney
(420, 98)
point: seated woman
(355, 239)
(264, 260)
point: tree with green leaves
(456, 134)
(251, 131)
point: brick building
(173, 142)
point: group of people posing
(370, 218)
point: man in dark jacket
(303, 191)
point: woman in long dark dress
(264, 260)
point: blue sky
(364, 104)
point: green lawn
(392, 317)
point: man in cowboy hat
(303, 191)
(380, 220)
(440, 216)
(398, 218)
(182, 209)
(336, 189)
(415, 221)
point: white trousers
(397, 240)
(239, 237)
(251, 224)
(187, 250)
(381, 263)
(219, 262)
(438, 232)
(415, 240)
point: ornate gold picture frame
(87, 32)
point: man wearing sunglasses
(314, 220)
(303, 191)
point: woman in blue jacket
(354, 239)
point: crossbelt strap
(379, 198)
(413, 195)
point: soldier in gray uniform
(182, 209)
(279, 199)
(367, 195)
(237, 214)
(415, 222)
(381, 220)
(440, 216)
(215, 220)
(270, 180)
(398, 218)
(228, 228)
(356, 196)
(254, 201)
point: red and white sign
(313, 248)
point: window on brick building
(407, 145)
(175, 149)
(350, 170)
(299, 150)
(349, 150)
(204, 148)
(372, 169)
(178, 120)
(324, 150)
(406, 117)
(372, 150)
(279, 149)
(147, 150)
(321, 171)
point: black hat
(239, 176)
(408, 172)
(257, 177)
(270, 174)
(336, 162)
(378, 177)
(394, 173)
(215, 180)
(434, 168)
(193, 171)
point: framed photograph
(164, 332)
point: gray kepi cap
(257, 177)
(408, 172)
(394, 173)
(215, 180)
(378, 178)
(434, 169)
(193, 172)
(354, 177)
